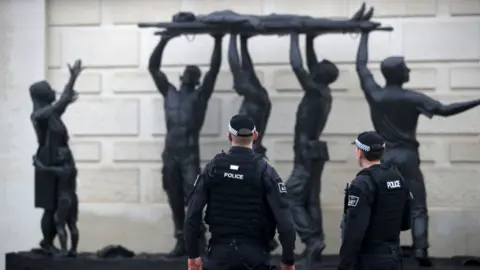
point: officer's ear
(255, 135)
(358, 153)
(229, 135)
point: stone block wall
(117, 124)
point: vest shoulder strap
(371, 182)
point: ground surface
(33, 261)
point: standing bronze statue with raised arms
(256, 103)
(310, 154)
(185, 110)
(52, 188)
(395, 111)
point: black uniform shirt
(360, 200)
(276, 196)
(361, 196)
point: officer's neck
(367, 164)
(250, 146)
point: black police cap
(369, 141)
(241, 125)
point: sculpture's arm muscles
(247, 62)
(159, 78)
(296, 62)
(312, 59)
(239, 76)
(367, 81)
(210, 79)
(456, 108)
(55, 169)
(430, 107)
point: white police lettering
(353, 200)
(282, 188)
(233, 176)
(393, 184)
(234, 167)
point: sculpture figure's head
(395, 70)
(325, 72)
(42, 92)
(191, 76)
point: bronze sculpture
(395, 111)
(52, 137)
(66, 214)
(185, 111)
(310, 154)
(256, 103)
(227, 21)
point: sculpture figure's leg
(314, 204)
(190, 170)
(61, 215)
(72, 226)
(48, 230)
(45, 198)
(419, 218)
(297, 186)
(408, 163)
(173, 186)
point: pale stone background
(117, 124)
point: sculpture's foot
(421, 255)
(313, 251)
(72, 253)
(312, 255)
(178, 250)
(46, 249)
(61, 254)
(273, 245)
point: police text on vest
(393, 184)
(233, 175)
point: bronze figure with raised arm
(310, 154)
(395, 111)
(52, 192)
(185, 110)
(256, 103)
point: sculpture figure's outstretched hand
(361, 15)
(364, 18)
(76, 69)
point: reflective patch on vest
(234, 167)
(411, 195)
(196, 181)
(394, 184)
(282, 188)
(353, 200)
(233, 175)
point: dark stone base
(90, 261)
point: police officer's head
(241, 131)
(370, 148)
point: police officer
(246, 201)
(377, 209)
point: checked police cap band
(369, 141)
(241, 125)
